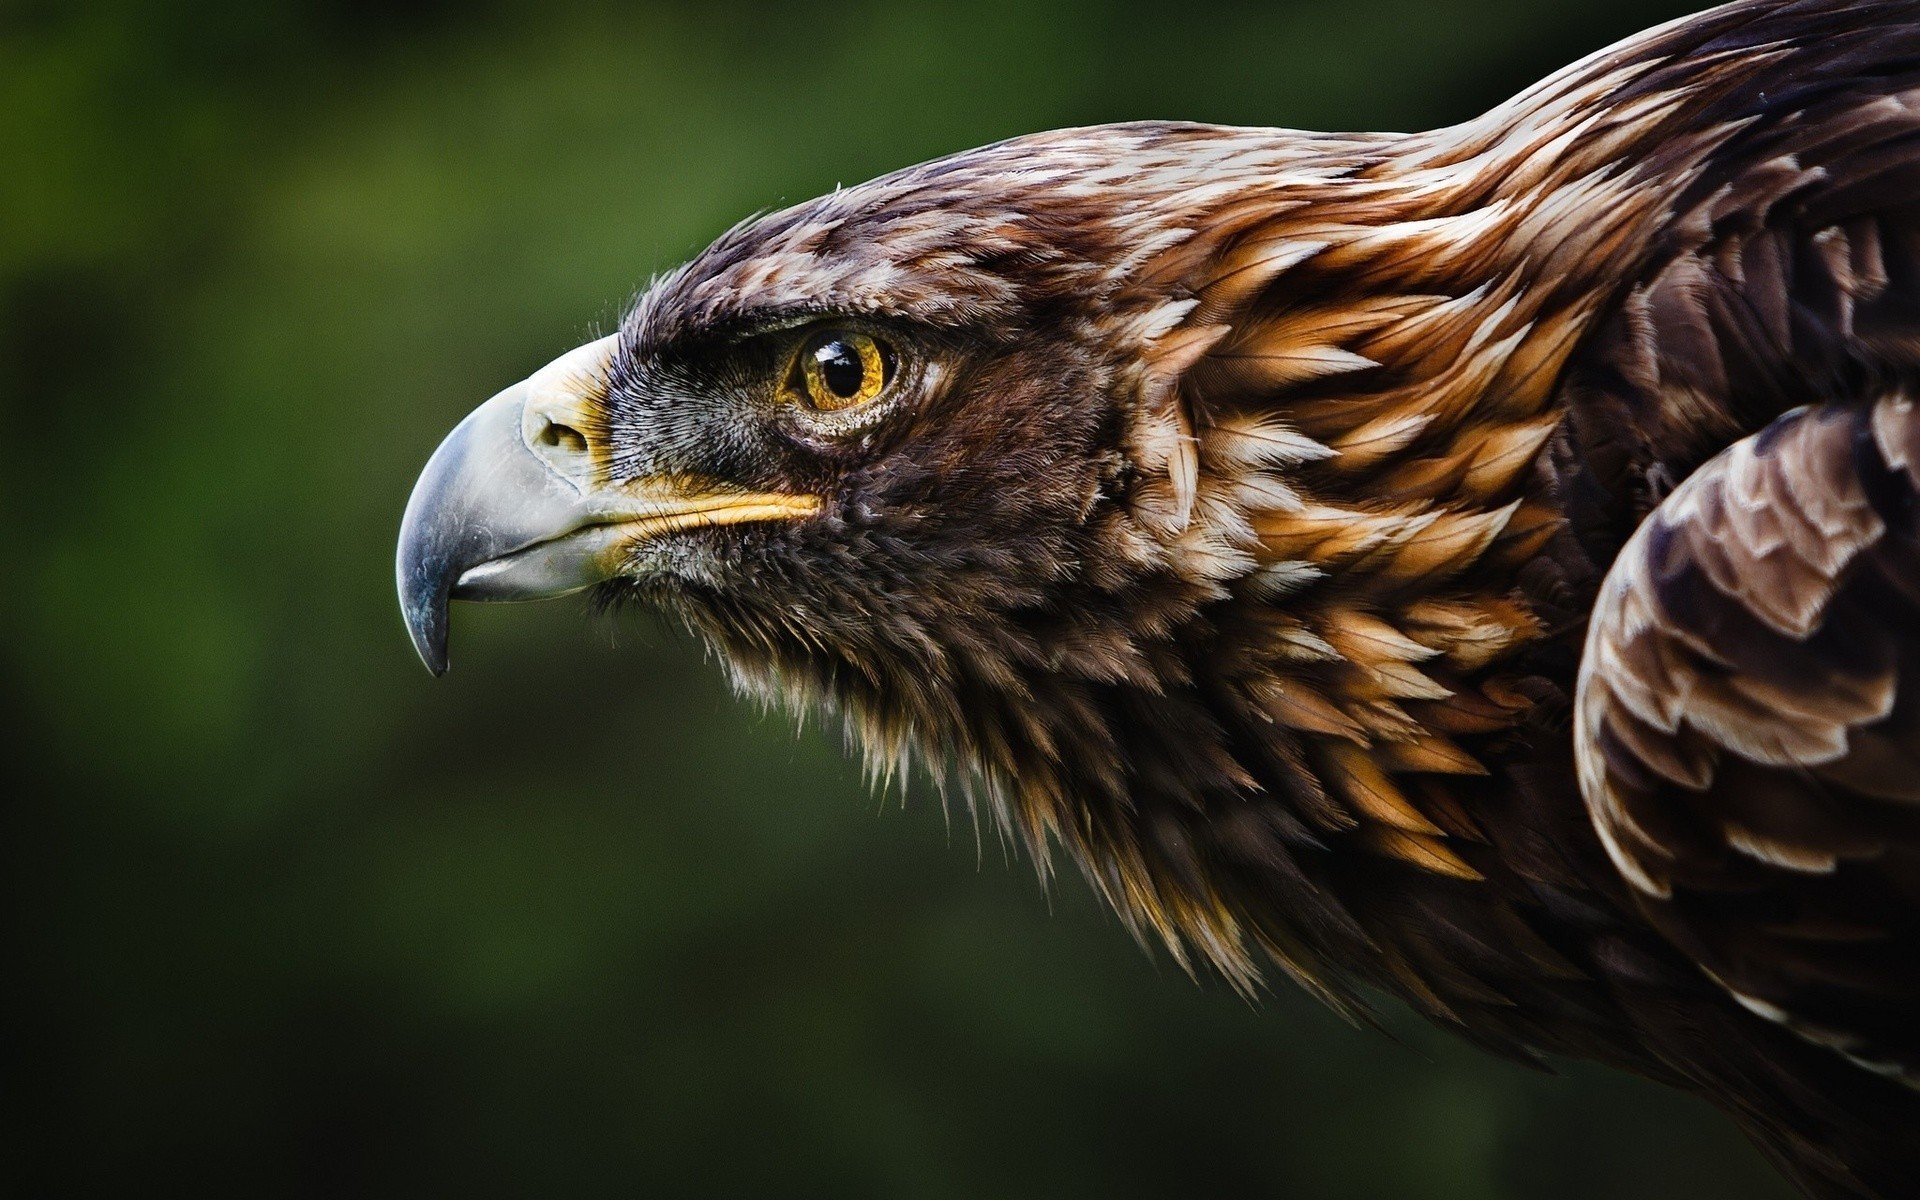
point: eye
(839, 368)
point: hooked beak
(515, 505)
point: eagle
(1477, 567)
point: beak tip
(424, 596)
(427, 626)
(435, 661)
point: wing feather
(1748, 725)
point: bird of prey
(1480, 566)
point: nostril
(561, 437)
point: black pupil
(841, 368)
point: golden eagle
(1480, 565)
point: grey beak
(483, 496)
(514, 504)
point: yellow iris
(841, 369)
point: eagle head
(913, 451)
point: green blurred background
(290, 918)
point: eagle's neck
(1345, 487)
(1296, 638)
